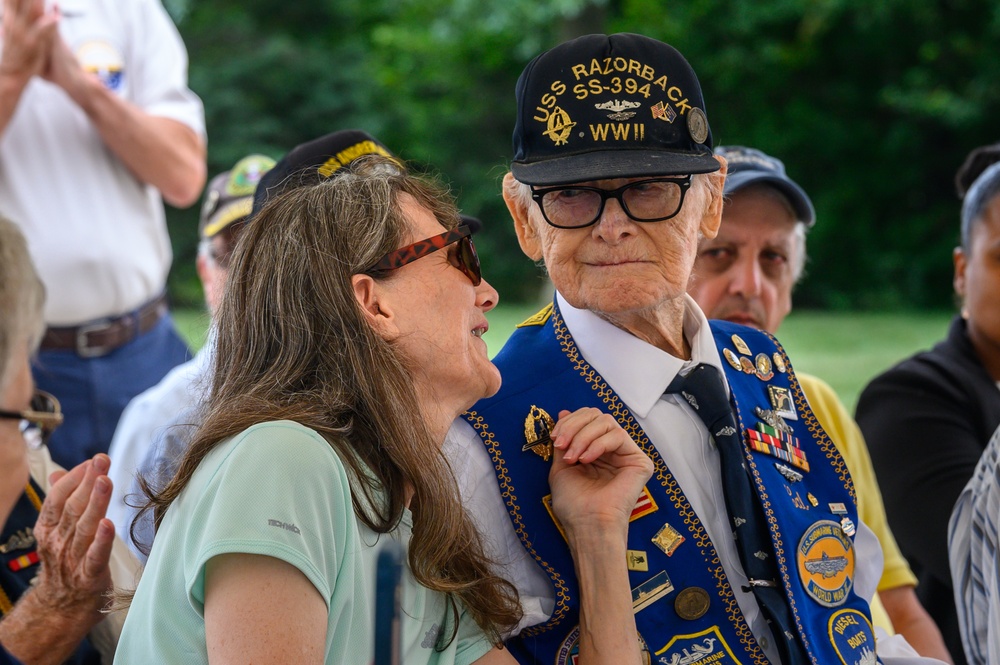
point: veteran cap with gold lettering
(609, 106)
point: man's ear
(374, 305)
(517, 205)
(713, 212)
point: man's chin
(743, 320)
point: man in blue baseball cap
(746, 275)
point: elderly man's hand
(74, 541)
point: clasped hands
(32, 46)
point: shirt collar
(638, 371)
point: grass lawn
(843, 348)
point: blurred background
(871, 105)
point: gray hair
(22, 297)
(980, 195)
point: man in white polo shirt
(96, 124)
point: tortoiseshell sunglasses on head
(465, 258)
(43, 414)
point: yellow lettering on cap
(683, 106)
(662, 82)
(558, 87)
(548, 100)
(674, 93)
(595, 87)
(646, 73)
(543, 114)
(599, 132)
(621, 64)
(619, 131)
(579, 71)
(633, 67)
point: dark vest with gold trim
(685, 609)
(19, 563)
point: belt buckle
(83, 349)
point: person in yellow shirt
(746, 275)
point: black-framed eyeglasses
(464, 258)
(44, 414)
(577, 206)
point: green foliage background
(872, 106)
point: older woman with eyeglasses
(56, 545)
(349, 338)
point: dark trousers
(94, 391)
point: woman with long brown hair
(349, 338)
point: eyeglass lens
(468, 261)
(644, 201)
(43, 416)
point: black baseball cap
(609, 106)
(317, 159)
(323, 158)
(749, 165)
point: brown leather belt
(100, 337)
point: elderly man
(746, 545)
(746, 275)
(58, 553)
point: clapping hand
(29, 32)
(74, 540)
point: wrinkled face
(16, 396)
(438, 318)
(746, 273)
(977, 278)
(619, 266)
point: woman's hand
(597, 472)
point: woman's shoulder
(277, 449)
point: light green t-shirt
(278, 489)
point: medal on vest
(826, 563)
(537, 426)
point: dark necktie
(704, 390)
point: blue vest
(19, 563)
(685, 609)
